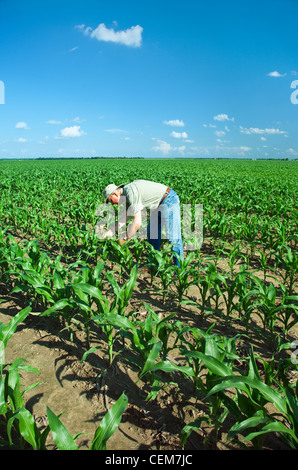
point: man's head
(112, 193)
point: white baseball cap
(110, 189)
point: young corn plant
(99, 317)
(109, 424)
(105, 306)
(214, 360)
(251, 412)
(185, 276)
(289, 263)
(267, 307)
(19, 425)
(205, 283)
(288, 315)
(149, 340)
(161, 265)
(122, 295)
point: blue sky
(148, 78)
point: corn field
(208, 348)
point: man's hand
(108, 234)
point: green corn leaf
(109, 424)
(213, 364)
(27, 427)
(88, 289)
(293, 405)
(3, 402)
(167, 366)
(129, 329)
(275, 427)
(256, 420)
(253, 372)
(7, 330)
(60, 305)
(189, 428)
(211, 348)
(61, 436)
(151, 357)
(241, 382)
(90, 351)
(58, 281)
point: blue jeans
(167, 215)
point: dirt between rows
(87, 390)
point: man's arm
(133, 226)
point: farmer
(163, 204)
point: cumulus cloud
(223, 117)
(72, 131)
(165, 148)
(22, 125)
(21, 140)
(174, 123)
(276, 74)
(129, 37)
(256, 130)
(179, 135)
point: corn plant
(122, 295)
(185, 276)
(251, 411)
(289, 265)
(288, 314)
(160, 265)
(205, 282)
(149, 339)
(109, 424)
(266, 306)
(218, 355)
(19, 424)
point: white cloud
(165, 148)
(276, 74)
(129, 37)
(256, 130)
(114, 131)
(73, 131)
(209, 125)
(174, 123)
(219, 133)
(53, 121)
(21, 125)
(292, 151)
(78, 119)
(21, 140)
(179, 135)
(223, 117)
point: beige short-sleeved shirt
(143, 194)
